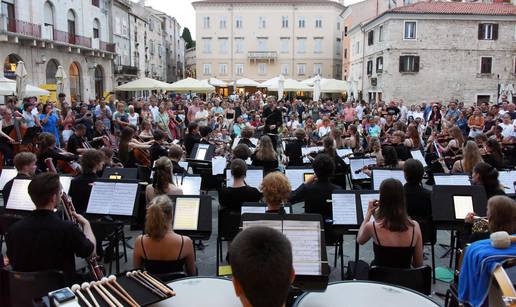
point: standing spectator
(120, 118)
(50, 122)
(133, 117)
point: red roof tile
(457, 8)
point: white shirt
(293, 124)
(403, 113)
(204, 115)
(324, 131)
(360, 111)
(155, 112)
(133, 120)
(507, 130)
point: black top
(393, 256)
(490, 191)
(9, 185)
(80, 189)
(493, 160)
(268, 166)
(42, 241)
(55, 155)
(247, 142)
(294, 153)
(156, 151)
(393, 110)
(418, 199)
(315, 195)
(272, 118)
(190, 140)
(232, 198)
(74, 143)
(403, 152)
(177, 169)
(164, 266)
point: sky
(183, 11)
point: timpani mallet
(77, 290)
(106, 292)
(104, 297)
(144, 283)
(156, 283)
(105, 281)
(144, 279)
(86, 286)
(112, 279)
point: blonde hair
(457, 134)
(471, 156)
(162, 175)
(275, 188)
(265, 151)
(158, 218)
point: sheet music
(305, 238)
(344, 209)
(114, 198)
(19, 198)
(296, 176)
(259, 209)
(201, 153)
(416, 154)
(276, 224)
(65, 183)
(379, 175)
(253, 178)
(452, 180)
(358, 164)
(364, 202)
(6, 176)
(308, 150)
(218, 164)
(183, 164)
(187, 213)
(248, 161)
(344, 152)
(462, 205)
(507, 179)
(191, 185)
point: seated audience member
(318, 188)
(42, 240)
(232, 198)
(501, 216)
(265, 155)
(293, 148)
(162, 181)
(275, 189)
(419, 205)
(175, 153)
(160, 250)
(246, 135)
(397, 240)
(242, 151)
(25, 163)
(486, 175)
(261, 262)
(157, 150)
(92, 162)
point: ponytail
(159, 214)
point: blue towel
(479, 262)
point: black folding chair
(418, 279)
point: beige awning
(191, 85)
(143, 84)
(291, 85)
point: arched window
(71, 27)
(96, 28)
(51, 71)
(75, 81)
(99, 81)
(48, 21)
(10, 65)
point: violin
(72, 168)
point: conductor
(273, 120)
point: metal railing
(22, 27)
(262, 55)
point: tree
(187, 36)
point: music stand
(380, 174)
(253, 178)
(451, 179)
(115, 198)
(118, 173)
(288, 224)
(190, 184)
(7, 173)
(258, 207)
(356, 164)
(507, 179)
(202, 152)
(19, 201)
(204, 218)
(417, 155)
(443, 203)
(296, 175)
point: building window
(486, 65)
(284, 21)
(369, 67)
(409, 63)
(345, 31)
(514, 71)
(488, 31)
(223, 45)
(223, 22)
(380, 34)
(223, 69)
(345, 53)
(301, 44)
(318, 69)
(284, 69)
(262, 68)
(238, 22)
(206, 22)
(409, 30)
(206, 69)
(284, 44)
(239, 69)
(206, 45)
(318, 23)
(338, 46)
(239, 45)
(370, 37)
(262, 44)
(301, 69)
(301, 22)
(379, 64)
(262, 22)
(318, 45)
(151, 47)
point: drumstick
(157, 283)
(77, 290)
(86, 286)
(111, 297)
(145, 285)
(135, 275)
(112, 279)
(104, 280)
(104, 297)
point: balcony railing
(71, 38)
(107, 47)
(126, 70)
(262, 55)
(22, 27)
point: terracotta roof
(457, 8)
(268, 1)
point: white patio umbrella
(190, 85)
(216, 82)
(333, 86)
(8, 88)
(245, 82)
(21, 79)
(317, 88)
(281, 86)
(291, 85)
(269, 82)
(143, 84)
(60, 78)
(310, 81)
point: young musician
(92, 162)
(162, 182)
(419, 205)
(175, 153)
(157, 150)
(261, 262)
(265, 155)
(25, 163)
(127, 146)
(246, 135)
(47, 149)
(232, 198)
(276, 189)
(293, 148)
(191, 138)
(76, 143)
(42, 241)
